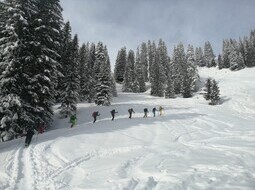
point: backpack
(145, 110)
(94, 114)
(72, 118)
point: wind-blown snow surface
(192, 146)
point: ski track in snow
(13, 169)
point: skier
(73, 120)
(154, 111)
(145, 112)
(41, 127)
(29, 135)
(113, 112)
(160, 110)
(130, 111)
(94, 115)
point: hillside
(192, 146)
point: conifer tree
(113, 92)
(46, 24)
(114, 89)
(235, 58)
(103, 87)
(249, 50)
(163, 59)
(16, 45)
(189, 74)
(84, 72)
(208, 89)
(242, 50)
(179, 64)
(215, 92)
(139, 73)
(169, 91)
(220, 62)
(208, 55)
(199, 57)
(70, 62)
(144, 60)
(120, 65)
(151, 58)
(158, 76)
(225, 54)
(92, 74)
(129, 76)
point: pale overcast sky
(119, 23)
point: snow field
(192, 146)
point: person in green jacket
(73, 120)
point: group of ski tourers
(95, 114)
(73, 119)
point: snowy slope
(192, 146)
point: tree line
(42, 64)
(236, 54)
(169, 76)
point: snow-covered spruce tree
(3, 18)
(113, 92)
(139, 73)
(144, 60)
(252, 43)
(208, 54)
(70, 64)
(129, 76)
(47, 23)
(188, 80)
(158, 76)
(151, 58)
(213, 63)
(225, 54)
(16, 111)
(64, 60)
(199, 57)
(241, 50)
(179, 64)
(84, 72)
(114, 89)
(208, 89)
(163, 58)
(169, 91)
(249, 49)
(92, 74)
(120, 65)
(215, 92)
(220, 62)
(136, 87)
(235, 58)
(103, 87)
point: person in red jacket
(41, 128)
